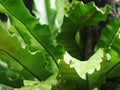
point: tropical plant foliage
(44, 51)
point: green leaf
(4, 79)
(24, 57)
(70, 79)
(43, 85)
(79, 16)
(4, 87)
(110, 65)
(29, 48)
(34, 86)
(116, 42)
(39, 32)
(108, 33)
(99, 77)
(31, 31)
(113, 74)
(12, 76)
(76, 71)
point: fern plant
(43, 50)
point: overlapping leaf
(31, 62)
(110, 66)
(79, 16)
(73, 69)
(98, 78)
(29, 28)
(92, 73)
(40, 32)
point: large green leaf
(73, 70)
(108, 33)
(79, 16)
(109, 71)
(33, 33)
(92, 73)
(39, 32)
(31, 62)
